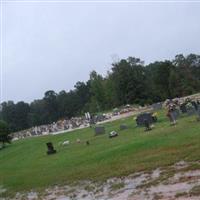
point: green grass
(24, 165)
(195, 191)
(117, 186)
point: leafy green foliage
(4, 133)
(128, 82)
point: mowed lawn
(24, 165)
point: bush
(4, 133)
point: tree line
(129, 81)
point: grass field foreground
(24, 165)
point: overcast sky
(54, 45)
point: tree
(158, 74)
(16, 115)
(51, 106)
(128, 77)
(83, 93)
(38, 114)
(97, 100)
(188, 69)
(4, 133)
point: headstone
(74, 124)
(147, 125)
(87, 116)
(173, 116)
(100, 118)
(143, 118)
(191, 111)
(198, 112)
(51, 149)
(123, 127)
(195, 105)
(113, 134)
(92, 121)
(157, 106)
(176, 114)
(99, 130)
(183, 108)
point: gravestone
(51, 149)
(147, 125)
(173, 116)
(183, 108)
(198, 112)
(74, 124)
(157, 106)
(144, 118)
(99, 130)
(100, 118)
(191, 111)
(113, 134)
(195, 105)
(92, 121)
(176, 114)
(123, 127)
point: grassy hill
(24, 165)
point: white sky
(53, 45)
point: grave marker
(51, 149)
(99, 130)
(157, 106)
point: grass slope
(24, 165)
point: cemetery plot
(99, 130)
(93, 157)
(144, 118)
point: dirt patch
(180, 181)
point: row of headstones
(185, 110)
(51, 150)
(190, 110)
(101, 129)
(194, 109)
(98, 131)
(144, 119)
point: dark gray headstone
(99, 130)
(157, 106)
(173, 115)
(144, 118)
(191, 111)
(123, 127)
(74, 124)
(176, 114)
(100, 118)
(195, 105)
(198, 111)
(92, 121)
(147, 125)
(183, 108)
(51, 149)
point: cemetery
(89, 153)
(99, 100)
